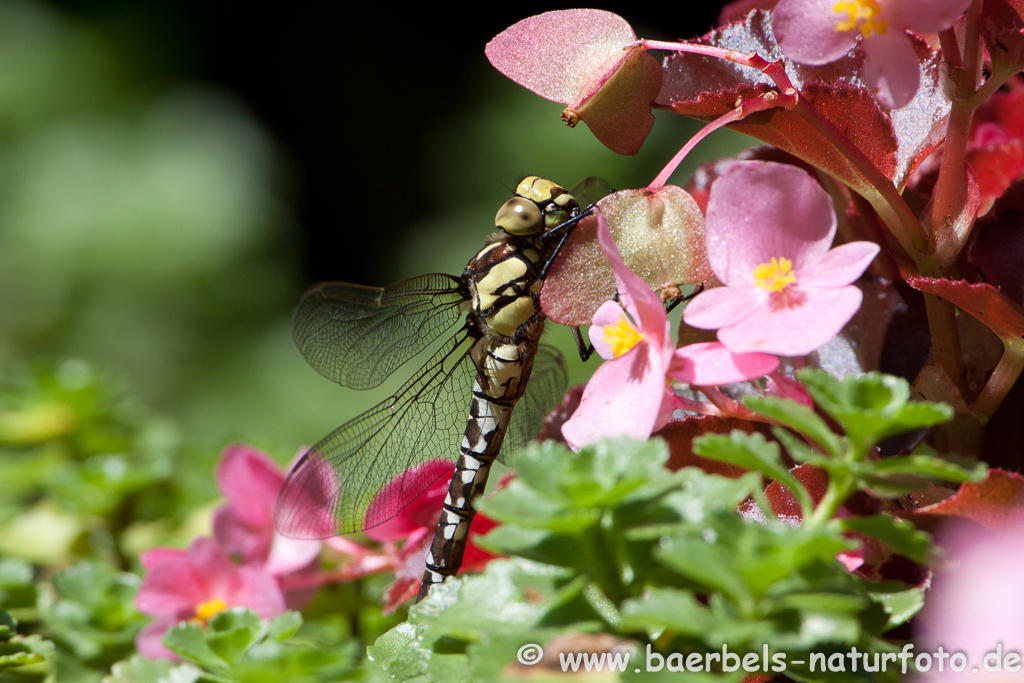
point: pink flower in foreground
(630, 395)
(194, 585)
(414, 527)
(817, 32)
(250, 481)
(975, 605)
(769, 229)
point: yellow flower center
(622, 336)
(861, 14)
(206, 610)
(775, 276)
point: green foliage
(92, 614)
(236, 645)
(608, 541)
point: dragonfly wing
(544, 389)
(374, 465)
(590, 190)
(358, 336)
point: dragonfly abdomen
(504, 368)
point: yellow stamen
(622, 336)
(206, 610)
(775, 276)
(862, 14)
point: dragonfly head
(539, 205)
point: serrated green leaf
(752, 452)
(929, 467)
(232, 632)
(898, 534)
(901, 606)
(666, 608)
(188, 641)
(706, 564)
(8, 625)
(19, 651)
(872, 406)
(798, 417)
(284, 625)
(138, 669)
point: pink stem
(744, 108)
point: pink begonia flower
(414, 526)
(250, 481)
(769, 229)
(630, 394)
(194, 585)
(817, 32)
(975, 605)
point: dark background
(347, 99)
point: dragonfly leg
(585, 348)
(680, 299)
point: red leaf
(896, 141)
(680, 435)
(995, 503)
(982, 300)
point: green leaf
(752, 452)
(898, 534)
(284, 625)
(872, 406)
(188, 641)
(138, 669)
(232, 632)
(19, 651)
(8, 625)
(900, 605)
(930, 467)
(798, 417)
(666, 608)
(705, 563)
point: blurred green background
(173, 176)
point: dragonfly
(458, 405)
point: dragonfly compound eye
(519, 216)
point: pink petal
(642, 303)
(307, 503)
(558, 54)
(976, 602)
(623, 398)
(758, 210)
(171, 589)
(288, 555)
(258, 591)
(250, 480)
(148, 641)
(610, 313)
(248, 543)
(805, 31)
(794, 330)
(852, 559)
(840, 266)
(782, 386)
(721, 306)
(420, 512)
(213, 567)
(924, 16)
(347, 547)
(891, 68)
(150, 558)
(711, 364)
